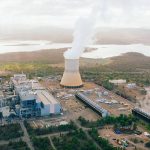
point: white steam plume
(145, 104)
(106, 10)
(83, 33)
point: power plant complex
(34, 99)
(44, 106)
(51, 110)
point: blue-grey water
(102, 51)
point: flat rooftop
(36, 85)
(46, 97)
(24, 96)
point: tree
(134, 126)
(147, 144)
(1, 116)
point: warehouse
(34, 99)
(39, 103)
(118, 82)
(49, 105)
(93, 105)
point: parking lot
(133, 140)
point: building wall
(28, 104)
(71, 76)
(45, 111)
(57, 109)
(71, 65)
(50, 109)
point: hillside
(130, 62)
(127, 62)
(47, 56)
(52, 56)
(123, 36)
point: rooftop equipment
(92, 104)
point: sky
(16, 14)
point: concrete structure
(35, 85)
(92, 104)
(131, 85)
(38, 103)
(142, 114)
(117, 82)
(21, 87)
(71, 77)
(25, 85)
(1, 95)
(19, 77)
(49, 105)
(19, 82)
(27, 104)
(34, 99)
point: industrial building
(92, 104)
(27, 104)
(20, 77)
(49, 105)
(142, 114)
(71, 77)
(34, 99)
(131, 85)
(21, 83)
(118, 82)
(39, 103)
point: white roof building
(50, 104)
(131, 85)
(34, 96)
(120, 81)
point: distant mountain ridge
(128, 61)
(103, 35)
(131, 61)
(50, 56)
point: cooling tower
(71, 77)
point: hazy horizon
(53, 20)
(99, 50)
(21, 15)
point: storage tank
(71, 77)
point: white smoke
(108, 12)
(84, 30)
(145, 103)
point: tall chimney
(71, 77)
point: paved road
(53, 146)
(53, 134)
(26, 137)
(7, 142)
(85, 130)
(87, 134)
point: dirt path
(53, 146)
(26, 137)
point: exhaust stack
(71, 77)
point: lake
(102, 51)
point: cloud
(64, 13)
